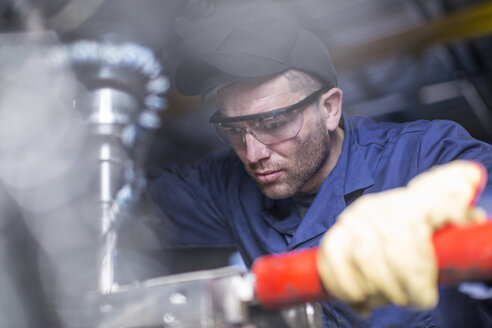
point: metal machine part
(219, 298)
(124, 94)
(126, 91)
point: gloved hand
(380, 249)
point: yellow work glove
(380, 249)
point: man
(298, 164)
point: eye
(232, 130)
(272, 123)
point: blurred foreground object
(76, 119)
(74, 124)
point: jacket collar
(350, 174)
(357, 174)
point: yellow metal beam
(469, 23)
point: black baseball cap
(257, 48)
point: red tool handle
(463, 254)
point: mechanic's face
(299, 163)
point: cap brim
(192, 74)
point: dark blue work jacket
(214, 202)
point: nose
(255, 150)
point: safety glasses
(267, 127)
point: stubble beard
(310, 156)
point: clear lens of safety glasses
(268, 127)
(269, 130)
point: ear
(331, 107)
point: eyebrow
(217, 118)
